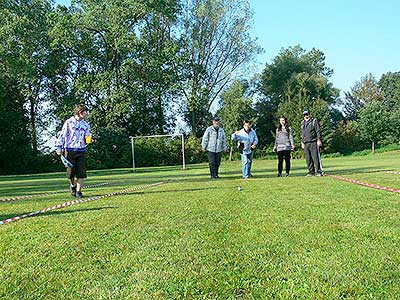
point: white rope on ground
(370, 185)
(78, 201)
(16, 198)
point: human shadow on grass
(353, 171)
(18, 190)
(56, 212)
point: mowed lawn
(193, 238)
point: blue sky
(357, 36)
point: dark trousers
(284, 155)
(311, 152)
(214, 160)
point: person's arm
(255, 142)
(291, 138)
(276, 140)
(235, 136)
(204, 141)
(318, 132)
(224, 146)
(88, 134)
(61, 138)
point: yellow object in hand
(88, 139)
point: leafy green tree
(235, 107)
(24, 51)
(347, 138)
(15, 149)
(390, 87)
(296, 80)
(280, 79)
(120, 56)
(216, 46)
(373, 123)
(363, 92)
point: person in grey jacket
(284, 144)
(311, 141)
(214, 142)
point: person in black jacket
(311, 140)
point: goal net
(144, 142)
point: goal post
(133, 138)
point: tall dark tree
(24, 50)
(296, 80)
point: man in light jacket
(214, 142)
(249, 140)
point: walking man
(214, 142)
(310, 142)
(248, 141)
(74, 137)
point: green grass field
(193, 238)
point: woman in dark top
(284, 144)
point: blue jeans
(247, 159)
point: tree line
(151, 67)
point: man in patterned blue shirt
(74, 137)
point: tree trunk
(230, 153)
(32, 120)
(373, 147)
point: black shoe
(319, 174)
(310, 175)
(79, 195)
(72, 189)
(287, 174)
(279, 175)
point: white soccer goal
(133, 138)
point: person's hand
(274, 150)
(319, 143)
(253, 146)
(203, 149)
(302, 146)
(227, 150)
(237, 132)
(58, 152)
(293, 148)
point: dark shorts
(78, 159)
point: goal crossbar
(133, 138)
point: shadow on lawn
(180, 190)
(57, 212)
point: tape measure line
(78, 201)
(16, 198)
(370, 185)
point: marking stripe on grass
(370, 185)
(16, 198)
(69, 203)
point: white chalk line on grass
(370, 185)
(78, 201)
(16, 198)
(393, 172)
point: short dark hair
(245, 121)
(79, 108)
